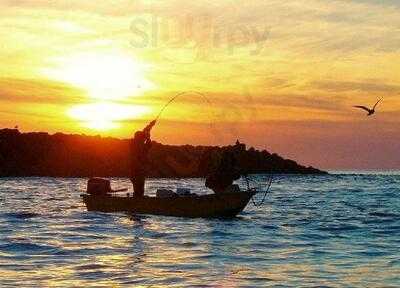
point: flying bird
(370, 111)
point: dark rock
(61, 155)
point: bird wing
(362, 107)
(377, 103)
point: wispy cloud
(372, 86)
(38, 91)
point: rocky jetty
(61, 155)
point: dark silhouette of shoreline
(62, 155)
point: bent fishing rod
(269, 181)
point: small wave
(387, 230)
(373, 253)
(93, 275)
(359, 208)
(384, 214)
(21, 215)
(314, 236)
(219, 233)
(155, 234)
(394, 262)
(338, 228)
(269, 227)
(26, 198)
(189, 244)
(90, 267)
(24, 247)
(239, 270)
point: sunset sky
(278, 75)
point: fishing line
(268, 185)
(210, 107)
(268, 188)
(178, 95)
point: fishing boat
(194, 206)
(204, 206)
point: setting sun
(105, 78)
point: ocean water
(338, 230)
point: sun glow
(106, 115)
(104, 76)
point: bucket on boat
(165, 193)
(98, 186)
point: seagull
(370, 111)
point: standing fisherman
(140, 146)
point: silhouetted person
(225, 174)
(140, 146)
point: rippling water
(332, 231)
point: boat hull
(204, 206)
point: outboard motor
(98, 186)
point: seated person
(225, 174)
